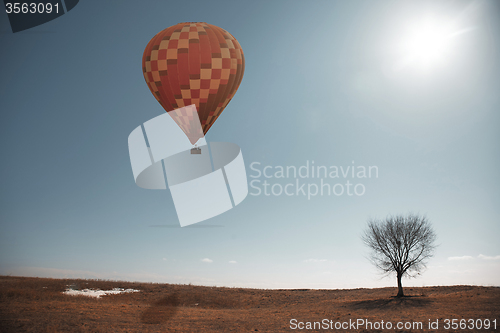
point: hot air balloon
(193, 64)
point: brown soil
(37, 305)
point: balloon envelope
(194, 63)
(188, 120)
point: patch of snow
(98, 293)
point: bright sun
(429, 44)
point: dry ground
(37, 305)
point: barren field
(38, 305)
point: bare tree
(400, 244)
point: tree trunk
(400, 286)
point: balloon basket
(196, 150)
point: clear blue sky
(326, 81)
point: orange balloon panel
(194, 63)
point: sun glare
(428, 44)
